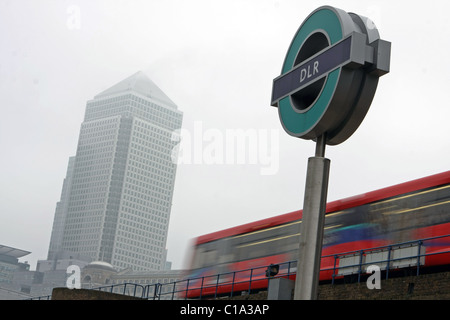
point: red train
(409, 211)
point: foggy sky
(216, 60)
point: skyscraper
(116, 199)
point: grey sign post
(328, 80)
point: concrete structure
(116, 199)
(10, 274)
(9, 262)
(100, 274)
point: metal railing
(47, 297)
(127, 289)
(151, 291)
(251, 279)
(388, 258)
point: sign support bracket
(320, 145)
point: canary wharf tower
(116, 199)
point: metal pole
(320, 146)
(418, 256)
(311, 234)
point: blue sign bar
(311, 70)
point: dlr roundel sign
(330, 75)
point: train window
(272, 241)
(198, 259)
(204, 256)
(400, 215)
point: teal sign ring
(330, 75)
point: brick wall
(85, 294)
(435, 286)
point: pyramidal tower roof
(141, 84)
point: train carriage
(414, 210)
